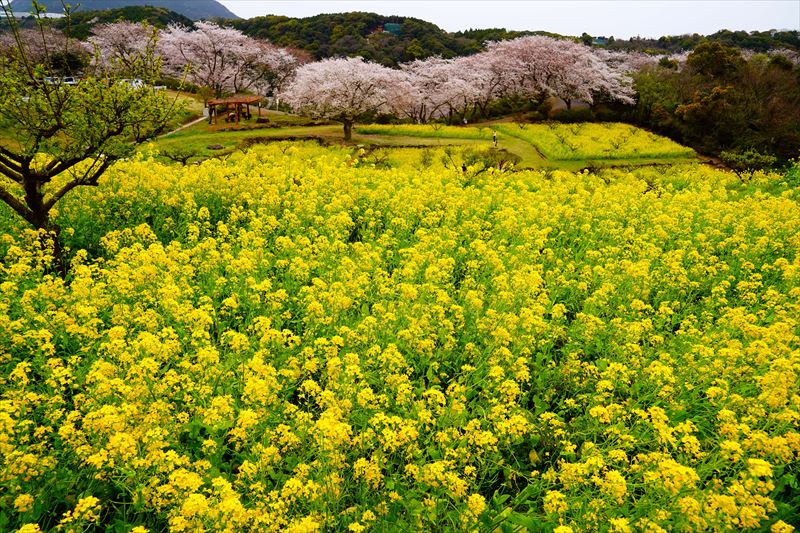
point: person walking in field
(494, 138)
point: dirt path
(187, 125)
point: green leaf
(524, 521)
(500, 499)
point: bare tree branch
(16, 204)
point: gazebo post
(234, 108)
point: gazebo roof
(235, 100)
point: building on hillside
(393, 28)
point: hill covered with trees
(82, 22)
(387, 40)
(756, 41)
(391, 40)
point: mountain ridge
(193, 9)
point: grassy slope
(232, 137)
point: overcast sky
(620, 18)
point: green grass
(197, 138)
(555, 146)
(6, 138)
(189, 109)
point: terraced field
(564, 146)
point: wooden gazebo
(236, 107)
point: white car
(58, 80)
(136, 83)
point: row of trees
(523, 71)
(217, 59)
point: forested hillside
(722, 100)
(387, 40)
(391, 40)
(757, 41)
(364, 34)
(81, 22)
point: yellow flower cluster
(608, 140)
(286, 341)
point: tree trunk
(52, 239)
(40, 219)
(483, 106)
(569, 104)
(348, 129)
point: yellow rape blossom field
(608, 140)
(557, 142)
(299, 339)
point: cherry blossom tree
(793, 56)
(276, 68)
(588, 79)
(536, 67)
(416, 90)
(486, 76)
(340, 89)
(224, 59)
(44, 45)
(435, 88)
(626, 61)
(405, 97)
(522, 66)
(125, 43)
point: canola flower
(608, 140)
(426, 130)
(558, 142)
(295, 340)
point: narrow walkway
(187, 125)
